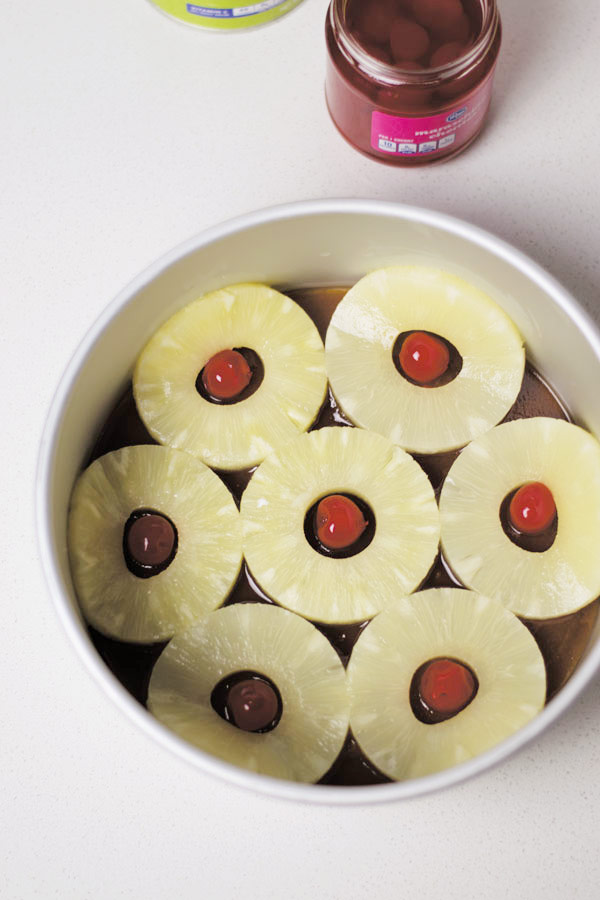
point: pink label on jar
(411, 136)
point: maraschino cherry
(339, 522)
(446, 686)
(150, 539)
(424, 357)
(532, 508)
(253, 704)
(226, 374)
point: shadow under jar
(405, 92)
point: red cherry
(459, 30)
(375, 19)
(378, 51)
(437, 14)
(532, 509)
(340, 522)
(226, 374)
(447, 53)
(423, 357)
(446, 686)
(408, 40)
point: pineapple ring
(364, 378)
(566, 459)
(209, 552)
(275, 643)
(339, 461)
(237, 435)
(441, 622)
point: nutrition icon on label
(446, 141)
(428, 147)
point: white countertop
(123, 133)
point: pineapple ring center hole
(149, 542)
(441, 688)
(426, 359)
(339, 525)
(533, 542)
(249, 701)
(237, 377)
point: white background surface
(123, 133)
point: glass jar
(226, 15)
(416, 111)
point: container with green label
(226, 15)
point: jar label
(253, 9)
(226, 14)
(411, 136)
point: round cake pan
(329, 242)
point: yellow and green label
(226, 15)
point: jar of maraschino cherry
(409, 81)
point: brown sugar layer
(562, 640)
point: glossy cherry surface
(253, 704)
(532, 508)
(226, 374)
(446, 686)
(339, 521)
(424, 357)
